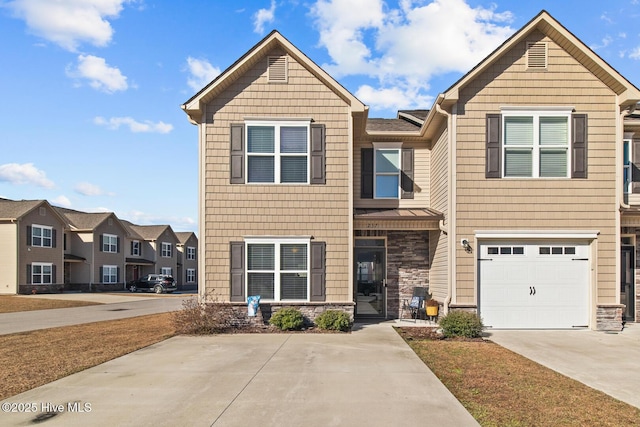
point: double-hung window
(627, 171)
(191, 275)
(168, 271)
(191, 252)
(278, 269)
(135, 248)
(109, 274)
(109, 243)
(167, 250)
(387, 169)
(41, 273)
(42, 236)
(278, 152)
(536, 144)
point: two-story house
(187, 251)
(512, 196)
(158, 241)
(31, 247)
(94, 255)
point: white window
(109, 274)
(167, 250)
(536, 143)
(627, 171)
(278, 269)
(278, 152)
(109, 243)
(41, 273)
(387, 166)
(191, 252)
(135, 248)
(191, 275)
(167, 271)
(42, 236)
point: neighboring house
(506, 198)
(139, 254)
(187, 276)
(158, 244)
(31, 247)
(94, 255)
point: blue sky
(90, 116)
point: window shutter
(317, 153)
(54, 236)
(366, 168)
(29, 236)
(117, 274)
(131, 250)
(29, 273)
(101, 273)
(318, 271)
(102, 243)
(493, 168)
(236, 259)
(578, 146)
(117, 244)
(237, 154)
(406, 181)
(635, 165)
(53, 274)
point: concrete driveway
(608, 362)
(367, 378)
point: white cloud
(405, 47)
(606, 41)
(201, 73)
(87, 189)
(101, 76)
(25, 173)
(135, 126)
(68, 23)
(176, 223)
(62, 201)
(635, 53)
(262, 17)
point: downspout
(443, 227)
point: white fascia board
(536, 234)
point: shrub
(461, 324)
(194, 318)
(335, 320)
(287, 319)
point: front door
(627, 282)
(370, 277)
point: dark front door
(370, 278)
(627, 282)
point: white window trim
(276, 271)
(277, 124)
(191, 275)
(166, 248)
(105, 275)
(627, 169)
(41, 237)
(191, 252)
(387, 146)
(42, 274)
(536, 113)
(137, 252)
(107, 245)
(167, 271)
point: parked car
(158, 283)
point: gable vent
(277, 68)
(537, 55)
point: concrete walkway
(367, 378)
(605, 361)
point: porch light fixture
(465, 244)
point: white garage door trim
(534, 283)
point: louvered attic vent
(537, 55)
(278, 69)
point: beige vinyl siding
(537, 204)
(31, 254)
(232, 212)
(9, 258)
(421, 168)
(438, 241)
(108, 258)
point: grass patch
(32, 359)
(501, 388)
(12, 304)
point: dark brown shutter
(117, 244)
(366, 172)
(579, 146)
(29, 273)
(237, 154)
(54, 236)
(29, 236)
(317, 153)
(53, 274)
(131, 251)
(102, 243)
(493, 167)
(318, 271)
(236, 259)
(635, 165)
(101, 273)
(117, 274)
(406, 179)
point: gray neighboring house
(158, 246)
(31, 247)
(187, 275)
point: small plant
(287, 319)
(201, 319)
(461, 324)
(335, 320)
(432, 303)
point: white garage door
(541, 285)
